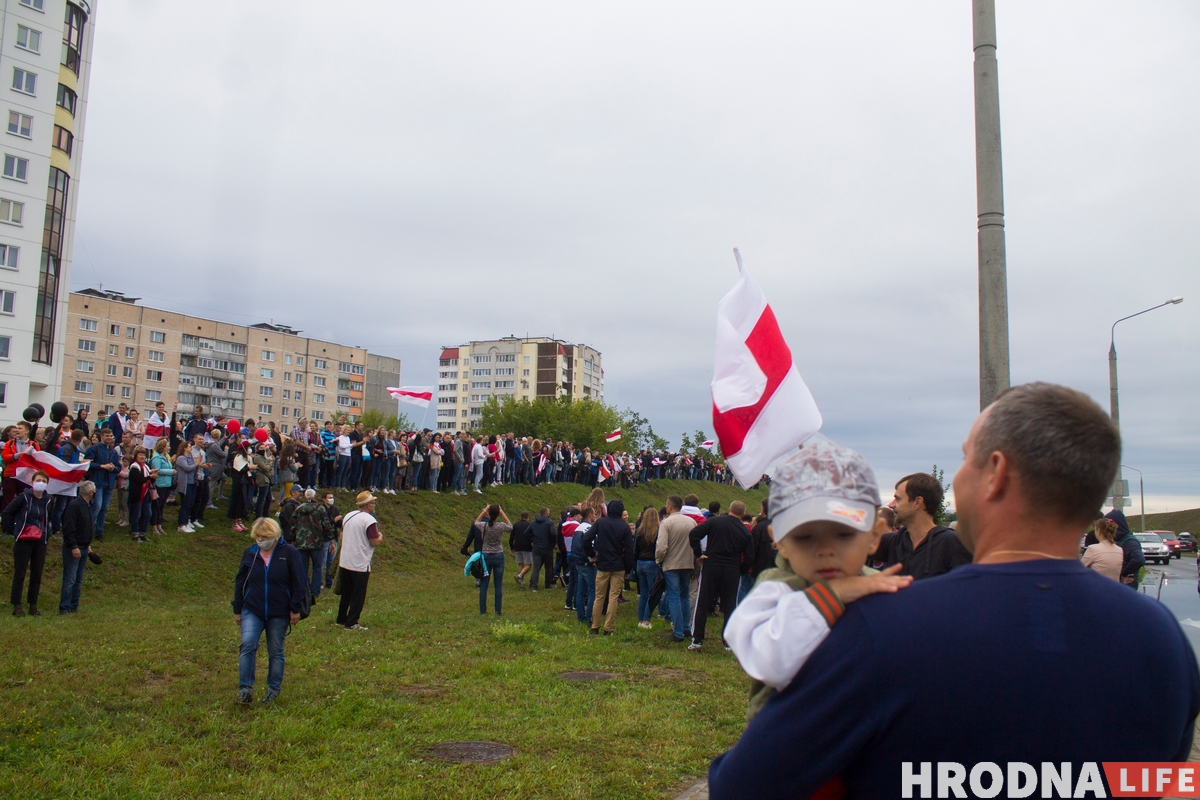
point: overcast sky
(411, 175)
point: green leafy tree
(584, 423)
(940, 515)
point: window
(297, 396)
(268, 355)
(287, 376)
(505, 384)
(131, 333)
(126, 372)
(266, 391)
(285, 411)
(525, 359)
(319, 399)
(287, 394)
(353, 369)
(36, 5)
(153, 395)
(320, 363)
(263, 408)
(110, 390)
(506, 371)
(524, 373)
(299, 379)
(287, 359)
(447, 387)
(507, 359)
(444, 400)
(20, 124)
(5, 342)
(87, 345)
(29, 39)
(475, 398)
(318, 380)
(88, 325)
(63, 139)
(24, 81)
(464, 412)
(126, 393)
(154, 375)
(299, 361)
(155, 355)
(318, 415)
(343, 399)
(66, 99)
(11, 211)
(129, 352)
(158, 337)
(112, 349)
(111, 370)
(450, 374)
(8, 255)
(266, 373)
(483, 359)
(481, 384)
(15, 168)
(447, 412)
(83, 387)
(85, 366)
(8, 301)
(476, 373)
(83, 407)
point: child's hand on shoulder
(850, 589)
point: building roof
(108, 294)
(449, 352)
(276, 327)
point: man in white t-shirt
(360, 537)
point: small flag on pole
(612, 437)
(761, 406)
(417, 395)
(64, 477)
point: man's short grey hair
(309, 494)
(1062, 445)
(85, 487)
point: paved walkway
(697, 792)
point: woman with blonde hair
(596, 502)
(647, 568)
(268, 594)
(1106, 556)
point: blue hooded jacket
(1134, 558)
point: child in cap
(823, 505)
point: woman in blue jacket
(268, 593)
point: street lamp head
(1176, 301)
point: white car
(1153, 548)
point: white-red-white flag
(612, 437)
(156, 428)
(761, 406)
(707, 445)
(605, 472)
(417, 395)
(64, 477)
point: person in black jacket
(923, 547)
(268, 594)
(543, 538)
(78, 528)
(29, 509)
(610, 543)
(761, 554)
(1134, 559)
(521, 543)
(722, 562)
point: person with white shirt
(360, 537)
(479, 456)
(342, 445)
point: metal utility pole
(989, 200)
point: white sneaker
(644, 624)
(694, 646)
(196, 524)
(186, 529)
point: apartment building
(45, 79)
(382, 372)
(122, 351)
(520, 368)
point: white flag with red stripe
(761, 406)
(156, 428)
(707, 445)
(64, 477)
(605, 472)
(612, 437)
(541, 464)
(417, 395)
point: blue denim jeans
(744, 587)
(456, 482)
(313, 564)
(433, 478)
(585, 588)
(495, 565)
(252, 629)
(378, 473)
(341, 476)
(478, 475)
(187, 499)
(100, 507)
(679, 599)
(139, 514)
(417, 472)
(72, 580)
(331, 563)
(262, 501)
(647, 573)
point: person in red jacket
(18, 440)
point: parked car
(1187, 543)
(1171, 541)
(1153, 547)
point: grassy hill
(133, 696)
(1177, 521)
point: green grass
(1177, 521)
(133, 696)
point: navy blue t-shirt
(1035, 661)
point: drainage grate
(472, 752)
(589, 676)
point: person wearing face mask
(27, 520)
(267, 596)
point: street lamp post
(1114, 406)
(1142, 492)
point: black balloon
(58, 411)
(31, 414)
(41, 410)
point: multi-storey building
(45, 68)
(520, 368)
(382, 372)
(121, 351)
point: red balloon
(233, 427)
(261, 435)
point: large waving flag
(417, 395)
(707, 445)
(613, 436)
(761, 406)
(64, 477)
(156, 428)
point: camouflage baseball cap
(823, 481)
